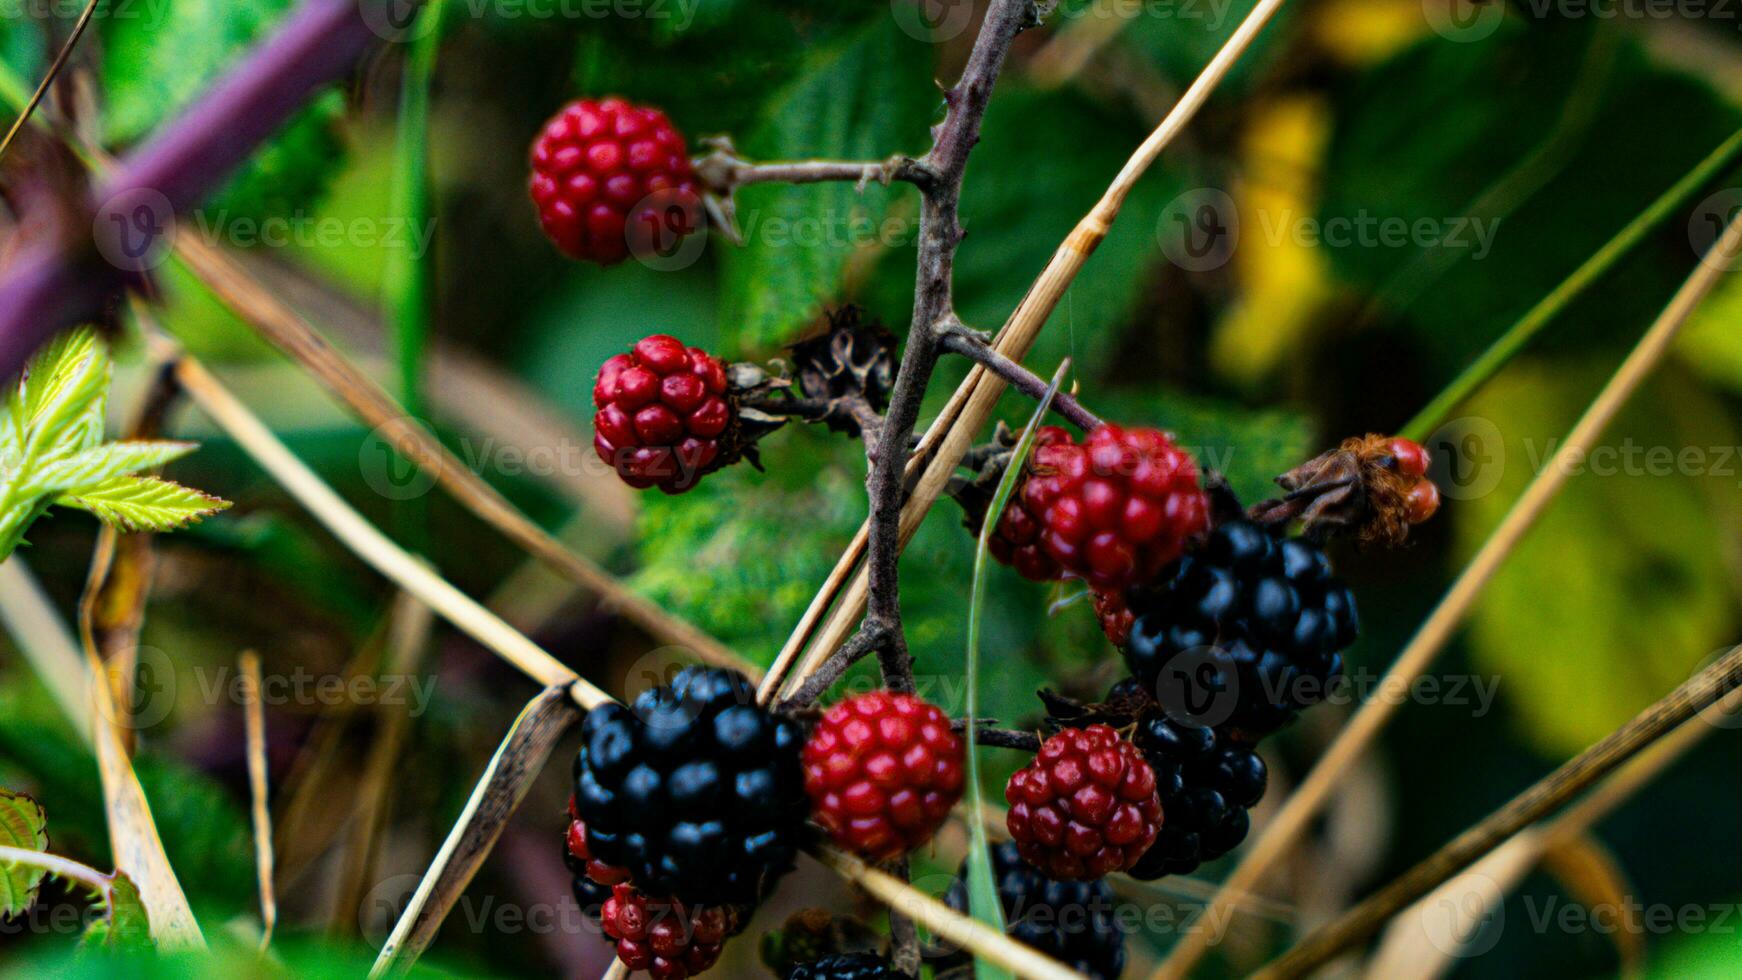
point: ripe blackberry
(1071, 921)
(883, 771)
(663, 414)
(1264, 613)
(667, 939)
(610, 178)
(1112, 511)
(1085, 807)
(846, 966)
(1207, 782)
(694, 790)
(581, 861)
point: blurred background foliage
(1556, 129)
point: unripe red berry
(1085, 807)
(882, 771)
(1112, 511)
(667, 939)
(1413, 459)
(1424, 501)
(663, 410)
(610, 178)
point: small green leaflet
(22, 825)
(127, 926)
(983, 900)
(52, 451)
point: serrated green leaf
(97, 466)
(62, 395)
(163, 56)
(127, 926)
(862, 98)
(22, 825)
(142, 503)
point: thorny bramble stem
(940, 233)
(958, 339)
(57, 284)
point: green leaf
(127, 927)
(1022, 196)
(22, 825)
(743, 553)
(1622, 588)
(62, 395)
(93, 467)
(142, 503)
(1492, 102)
(163, 56)
(862, 98)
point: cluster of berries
(690, 804)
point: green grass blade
(983, 901)
(1528, 326)
(405, 279)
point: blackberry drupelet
(1071, 921)
(694, 790)
(1265, 612)
(1207, 782)
(846, 966)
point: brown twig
(961, 340)
(60, 60)
(254, 727)
(1431, 638)
(297, 339)
(504, 784)
(940, 232)
(1548, 795)
(949, 437)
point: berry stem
(723, 170)
(958, 339)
